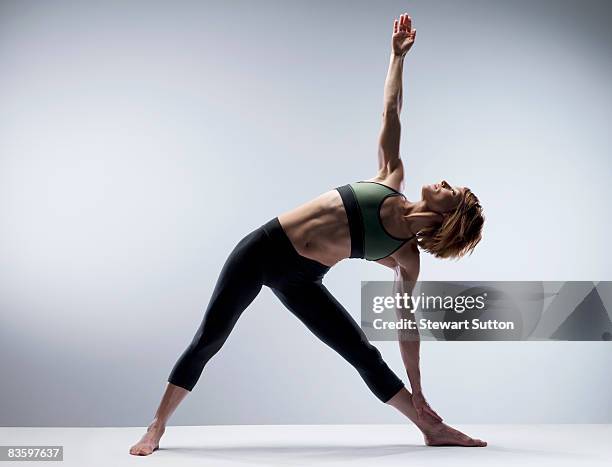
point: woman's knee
(367, 356)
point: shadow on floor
(332, 453)
(539, 452)
(305, 453)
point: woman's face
(441, 197)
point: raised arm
(389, 138)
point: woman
(291, 254)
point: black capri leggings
(267, 257)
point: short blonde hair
(459, 232)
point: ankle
(428, 428)
(157, 425)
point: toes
(140, 451)
(477, 443)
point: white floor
(334, 445)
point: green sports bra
(362, 202)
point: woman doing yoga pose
(291, 253)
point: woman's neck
(419, 216)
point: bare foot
(443, 435)
(149, 441)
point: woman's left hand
(422, 407)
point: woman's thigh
(325, 316)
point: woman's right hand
(403, 35)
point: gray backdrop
(139, 141)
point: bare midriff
(319, 229)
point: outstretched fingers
(403, 24)
(407, 22)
